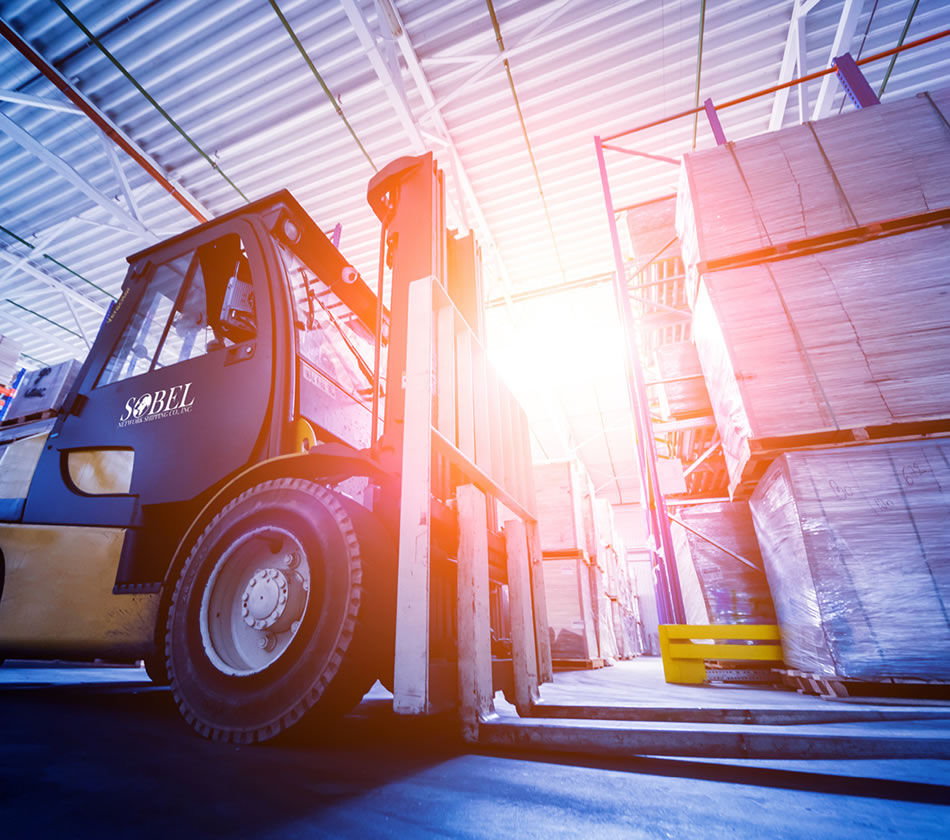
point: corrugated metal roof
(228, 73)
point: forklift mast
(408, 197)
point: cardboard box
(43, 389)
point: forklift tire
(156, 669)
(271, 616)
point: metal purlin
(669, 598)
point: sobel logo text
(154, 405)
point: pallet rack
(656, 292)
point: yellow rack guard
(685, 647)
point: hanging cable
(378, 342)
(43, 317)
(900, 42)
(53, 260)
(118, 65)
(323, 84)
(864, 39)
(524, 131)
(699, 64)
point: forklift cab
(246, 338)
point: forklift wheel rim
(254, 601)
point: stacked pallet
(563, 494)
(9, 365)
(590, 600)
(814, 180)
(684, 389)
(799, 348)
(43, 390)
(717, 587)
(856, 544)
(617, 605)
(651, 227)
(9, 360)
(791, 339)
(644, 599)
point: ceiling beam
(39, 244)
(120, 177)
(847, 26)
(78, 321)
(527, 42)
(20, 264)
(790, 60)
(467, 196)
(388, 74)
(105, 124)
(28, 142)
(37, 102)
(46, 336)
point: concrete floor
(99, 752)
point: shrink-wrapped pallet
(626, 644)
(821, 344)
(683, 387)
(605, 536)
(591, 542)
(642, 577)
(717, 588)
(43, 389)
(562, 489)
(570, 609)
(603, 616)
(856, 543)
(9, 360)
(652, 227)
(811, 180)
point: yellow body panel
(100, 471)
(57, 595)
(18, 463)
(305, 435)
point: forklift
(214, 497)
(275, 490)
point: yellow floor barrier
(684, 658)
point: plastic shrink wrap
(683, 387)
(570, 608)
(717, 588)
(652, 226)
(856, 543)
(43, 389)
(810, 180)
(562, 496)
(9, 359)
(842, 339)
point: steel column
(669, 599)
(714, 123)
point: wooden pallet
(578, 664)
(840, 688)
(28, 418)
(762, 451)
